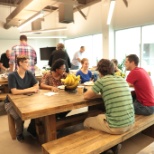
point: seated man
(119, 116)
(21, 82)
(140, 80)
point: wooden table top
(39, 105)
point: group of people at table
(120, 107)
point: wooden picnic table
(45, 107)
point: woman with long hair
(84, 72)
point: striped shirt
(117, 100)
(24, 49)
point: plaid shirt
(24, 49)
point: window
(93, 47)
(148, 48)
(127, 42)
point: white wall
(35, 43)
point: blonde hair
(83, 60)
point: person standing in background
(77, 58)
(23, 49)
(60, 53)
(4, 61)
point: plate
(62, 87)
(89, 83)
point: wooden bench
(89, 141)
(148, 150)
(62, 123)
(3, 96)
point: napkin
(50, 93)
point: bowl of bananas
(71, 81)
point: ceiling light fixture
(44, 30)
(31, 19)
(111, 9)
(45, 37)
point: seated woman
(51, 80)
(115, 62)
(84, 73)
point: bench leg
(44, 151)
(12, 129)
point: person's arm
(89, 94)
(45, 86)
(3, 67)
(12, 61)
(130, 85)
(44, 83)
(79, 60)
(11, 67)
(33, 89)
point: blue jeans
(143, 110)
(73, 67)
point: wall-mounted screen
(46, 52)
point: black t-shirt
(4, 60)
(15, 81)
(57, 54)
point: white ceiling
(138, 12)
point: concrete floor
(31, 146)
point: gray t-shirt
(15, 81)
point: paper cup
(80, 90)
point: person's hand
(54, 89)
(34, 89)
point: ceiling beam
(19, 8)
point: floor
(31, 146)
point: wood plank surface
(148, 150)
(39, 105)
(91, 141)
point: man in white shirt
(77, 58)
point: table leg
(50, 127)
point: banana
(74, 85)
(71, 80)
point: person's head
(82, 49)
(131, 61)
(23, 62)
(85, 63)
(8, 52)
(105, 67)
(115, 62)
(23, 38)
(59, 66)
(60, 46)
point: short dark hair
(21, 58)
(105, 67)
(60, 46)
(23, 38)
(57, 64)
(115, 61)
(133, 58)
